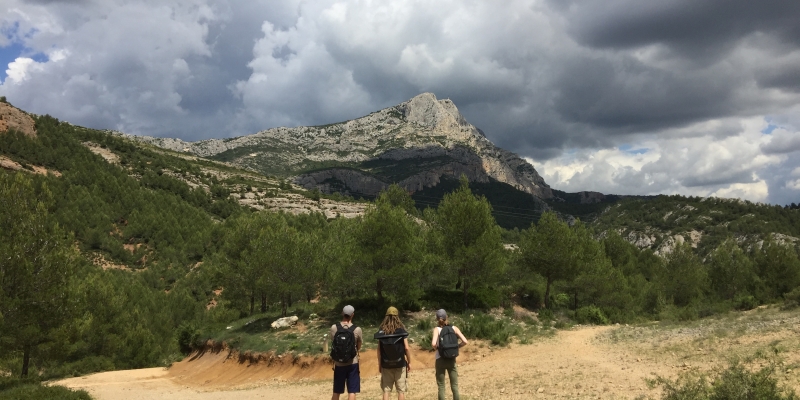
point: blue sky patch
(768, 130)
(630, 150)
(10, 53)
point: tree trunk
(458, 284)
(26, 359)
(379, 289)
(547, 294)
(283, 306)
(466, 292)
(263, 302)
(252, 303)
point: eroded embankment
(218, 365)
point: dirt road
(572, 364)
(611, 362)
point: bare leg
(335, 396)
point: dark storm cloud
(626, 94)
(546, 79)
(696, 29)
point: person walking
(346, 339)
(394, 355)
(447, 339)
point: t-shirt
(356, 332)
(399, 331)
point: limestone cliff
(414, 144)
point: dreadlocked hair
(391, 323)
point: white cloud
(700, 165)
(20, 70)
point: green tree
(37, 265)
(388, 246)
(685, 278)
(470, 238)
(731, 272)
(551, 250)
(276, 252)
(778, 267)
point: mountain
(416, 144)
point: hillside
(414, 144)
(660, 222)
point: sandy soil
(572, 364)
(584, 362)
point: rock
(431, 135)
(540, 390)
(284, 322)
(14, 118)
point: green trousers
(448, 365)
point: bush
(479, 298)
(591, 315)
(483, 326)
(748, 302)
(35, 391)
(546, 315)
(734, 383)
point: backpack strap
(339, 326)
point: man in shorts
(347, 373)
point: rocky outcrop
(420, 128)
(16, 119)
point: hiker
(394, 355)
(446, 343)
(345, 345)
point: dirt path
(573, 364)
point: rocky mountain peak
(425, 110)
(415, 144)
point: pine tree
(37, 265)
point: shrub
(791, 299)
(733, 383)
(546, 315)
(748, 302)
(591, 315)
(35, 391)
(483, 326)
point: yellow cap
(391, 311)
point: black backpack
(393, 349)
(448, 342)
(343, 349)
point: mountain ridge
(357, 155)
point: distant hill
(657, 223)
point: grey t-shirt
(358, 335)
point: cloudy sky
(618, 96)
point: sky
(688, 97)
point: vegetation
(135, 263)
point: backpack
(393, 349)
(343, 349)
(448, 342)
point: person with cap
(394, 355)
(345, 369)
(444, 362)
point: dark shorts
(349, 374)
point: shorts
(349, 374)
(394, 377)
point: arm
(378, 349)
(358, 334)
(435, 339)
(408, 354)
(461, 336)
